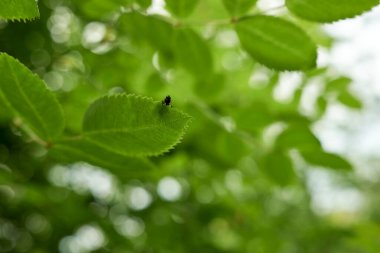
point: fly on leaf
(167, 101)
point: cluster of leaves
(241, 145)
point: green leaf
(238, 7)
(297, 136)
(193, 53)
(144, 3)
(279, 168)
(326, 11)
(322, 105)
(134, 126)
(83, 150)
(150, 29)
(181, 8)
(349, 100)
(339, 84)
(29, 97)
(327, 160)
(210, 87)
(253, 118)
(100, 9)
(18, 9)
(277, 43)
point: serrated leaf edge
(90, 156)
(284, 68)
(143, 154)
(46, 131)
(330, 21)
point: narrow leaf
(339, 84)
(277, 43)
(83, 150)
(29, 97)
(327, 160)
(181, 8)
(134, 126)
(350, 100)
(18, 9)
(238, 7)
(279, 168)
(193, 53)
(326, 11)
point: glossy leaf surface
(18, 9)
(29, 97)
(326, 11)
(277, 43)
(134, 126)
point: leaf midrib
(275, 42)
(44, 127)
(130, 130)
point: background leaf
(297, 136)
(238, 7)
(329, 10)
(217, 191)
(325, 159)
(181, 8)
(18, 9)
(99, 9)
(350, 100)
(133, 126)
(144, 3)
(338, 84)
(82, 150)
(277, 43)
(279, 168)
(29, 97)
(193, 53)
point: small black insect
(167, 101)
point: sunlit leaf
(277, 43)
(326, 11)
(134, 126)
(29, 97)
(150, 29)
(18, 9)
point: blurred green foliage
(239, 181)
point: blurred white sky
(357, 54)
